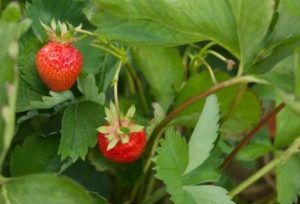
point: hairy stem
(266, 169)
(249, 136)
(115, 84)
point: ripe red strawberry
(58, 62)
(124, 153)
(121, 140)
(58, 65)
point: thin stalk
(139, 86)
(115, 54)
(249, 136)
(266, 169)
(217, 55)
(210, 71)
(115, 84)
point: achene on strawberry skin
(58, 62)
(121, 140)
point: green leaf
(282, 75)
(48, 188)
(33, 156)
(64, 10)
(29, 46)
(138, 31)
(54, 99)
(244, 116)
(209, 171)
(283, 40)
(165, 63)
(87, 86)
(208, 194)
(204, 134)
(288, 24)
(288, 128)
(172, 156)
(166, 22)
(287, 181)
(171, 161)
(25, 96)
(79, 129)
(251, 29)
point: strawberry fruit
(121, 141)
(58, 62)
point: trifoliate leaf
(39, 151)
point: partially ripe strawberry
(58, 65)
(121, 140)
(58, 62)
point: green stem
(115, 84)
(266, 169)
(240, 70)
(218, 55)
(156, 196)
(105, 45)
(115, 54)
(210, 71)
(139, 86)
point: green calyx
(61, 32)
(119, 126)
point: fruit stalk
(115, 84)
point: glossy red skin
(124, 153)
(58, 65)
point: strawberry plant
(143, 102)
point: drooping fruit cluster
(121, 140)
(58, 62)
